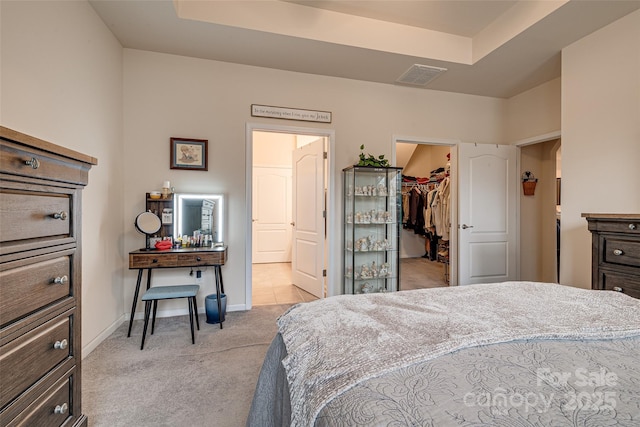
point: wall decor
(290, 113)
(188, 154)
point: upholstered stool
(156, 293)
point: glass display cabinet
(372, 221)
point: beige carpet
(174, 383)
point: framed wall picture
(189, 154)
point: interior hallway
(272, 284)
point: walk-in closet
(426, 211)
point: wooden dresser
(40, 281)
(616, 252)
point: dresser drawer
(31, 215)
(201, 258)
(52, 409)
(28, 358)
(620, 250)
(24, 161)
(615, 281)
(629, 226)
(31, 287)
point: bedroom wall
(61, 81)
(600, 136)
(167, 95)
(534, 112)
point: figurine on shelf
(366, 288)
(384, 270)
(374, 270)
(365, 273)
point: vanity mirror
(148, 224)
(199, 215)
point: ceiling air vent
(420, 75)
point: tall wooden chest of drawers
(40, 281)
(616, 252)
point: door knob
(465, 226)
(293, 223)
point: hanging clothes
(441, 211)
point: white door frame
(453, 175)
(333, 240)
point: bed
(513, 353)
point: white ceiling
(490, 48)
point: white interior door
(307, 261)
(487, 235)
(271, 222)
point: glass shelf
(371, 228)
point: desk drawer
(28, 358)
(621, 251)
(201, 258)
(153, 260)
(29, 288)
(31, 215)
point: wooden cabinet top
(605, 216)
(33, 142)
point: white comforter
(334, 344)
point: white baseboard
(140, 316)
(103, 336)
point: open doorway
(288, 210)
(540, 212)
(425, 251)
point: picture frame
(189, 154)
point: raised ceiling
(489, 48)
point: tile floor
(272, 282)
(272, 285)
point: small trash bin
(211, 307)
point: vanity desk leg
(219, 290)
(135, 296)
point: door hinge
(324, 273)
(324, 155)
(324, 214)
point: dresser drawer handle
(618, 252)
(60, 345)
(61, 280)
(60, 215)
(617, 289)
(198, 259)
(34, 163)
(154, 261)
(61, 409)
(632, 227)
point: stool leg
(195, 310)
(193, 337)
(153, 322)
(147, 311)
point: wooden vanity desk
(177, 258)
